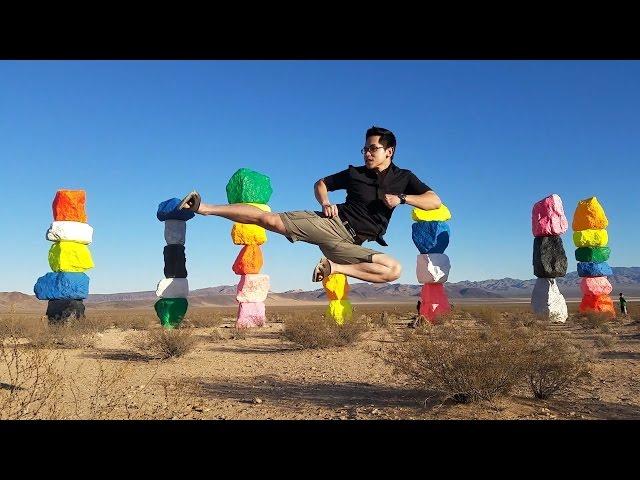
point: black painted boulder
(549, 258)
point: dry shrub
(593, 321)
(111, 396)
(552, 364)
(239, 333)
(382, 320)
(277, 317)
(203, 318)
(163, 343)
(465, 365)
(216, 335)
(99, 320)
(487, 315)
(73, 334)
(31, 385)
(604, 341)
(310, 331)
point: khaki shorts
(335, 242)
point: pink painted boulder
(252, 288)
(250, 315)
(595, 286)
(433, 301)
(548, 217)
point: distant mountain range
(624, 279)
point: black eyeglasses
(371, 149)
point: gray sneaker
(191, 202)
(322, 270)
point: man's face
(376, 157)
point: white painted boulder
(68, 231)
(547, 301)
(432, 267)
(173, 288)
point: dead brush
(31, 384)
(466, 365)
(125, 320)
(310, 331)
(383, 320)
(216, 335)
(203, 319)
(487, 315)
(110, 395)
(239, 333)
(593, 321)
(604, 341)
(552, 363)
(72, 334)
(163, 343)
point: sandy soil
(264, 376)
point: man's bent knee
(394, 272)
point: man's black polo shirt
(363, 208)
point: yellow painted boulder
(339, 310)
(589, 215)
(440, 214)
(336, 286)
(247, 234)
(70, 257)
(590, 238)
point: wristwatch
(403, 198)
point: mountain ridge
(625, 279)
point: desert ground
(120, 364)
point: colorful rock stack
(590, 237)
(337, 289)
(173, 290)
(69, 257)
(252, 188)
(430, 233)
(548, 222)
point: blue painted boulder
(430, 237)
(593, 269)
(62, 286)
(168, 210)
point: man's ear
(390, 154)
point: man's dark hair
(387, 138)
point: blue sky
(490, 137)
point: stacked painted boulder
(69, 257)
(548, 223)
(252, 188)
(173, 290)
(430, 233)
(337, 289)
(590, 237)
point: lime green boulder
(593, 254)
(247, 186)
(171, 311)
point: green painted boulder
(593, 254)
(171, 311)
(247, 186)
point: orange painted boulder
(597, 303)
(248, 261)
(69, 205)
